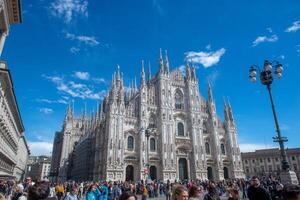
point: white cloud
(40, 148)
(295, 27)
(207, 59)
(88, 40)
(100, 80)
(248, 147)
(75, 89)
(261, 39)
(82, 75)
(46, 110)
(62, 101)
(182, 69)
(208, 47)
(67, 9)
(269, 30)
(74, 50)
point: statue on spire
(161, 62)
(167, 65)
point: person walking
(180, 192)
(256, 191)
(73, 195)
(93, 193)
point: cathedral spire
(193, 74)
(226, 116)
(210, 95)
(187, 72)
(143, 81)
(167, 65)
(161, 62)
(149, 71)
(118, 73)
(230, 114)
(69, 113)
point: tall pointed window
(179, 104)
(180, 129)
(223, 149)
(207, 148)
(130, 143)
(152, 144)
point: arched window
(179, 100)
(223, 149)
(130, 143)
(180, 129)
(207, 148)
(152, 144)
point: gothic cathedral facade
(164, 129)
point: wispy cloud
(82, 75)
(99, 80)
(88, 40)
(74, 89)
(207, 59)
(157, 6)
(46, 110)
(213, 77)
(67, 9)
(74, 50)
(294, 27)
(248, 147)
(261, 39)
(40, 148)
(269, 29)
(61, 101)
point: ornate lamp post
(266, 78)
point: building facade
(268, 162)
(187, 139)
(22, 157)
(13, 147)
(38, 168)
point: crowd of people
(253, 189)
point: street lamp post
(266, 78)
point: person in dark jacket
(256, 191)
(291, 192)
(39, 191)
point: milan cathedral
(185, 137)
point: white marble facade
(188, 140)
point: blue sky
(67, 50)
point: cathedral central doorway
(153, 173)
(210, 173)
(226, 174)
(183, 169)
(129, 173)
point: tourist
(39, 191)
(18, 195)
(291, 192)
(144, 192)
(60, 190)
(256, 191)
(179, 192)
(194, 192)
(127, 196)
(93, 193)
(73, 195)
(233, 194)
(212, 193)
